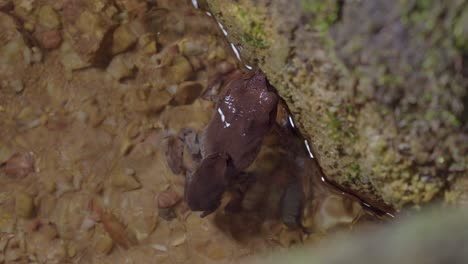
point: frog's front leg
(205, 187)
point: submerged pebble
(174, 149)
(20, 165)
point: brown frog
(245, 112)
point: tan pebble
(180, 70)
(17, 86)
(179, 240)
(48, 18)
(36, 56)
(167, 213)
(119, 68)
(150, 48)
(70, 59)
(129, 171)
(126, 146)
(49, 231)
(225, 67)
(49, 185)
(72, 250)
(25, 113)
(125, 181)
(158, 100)
(168, 198)
(192, 47)
(159, 247)
(116, 230)
(24, 205)
(95, 116)
(123, 39)
(7, 222)
(187, 92)
(103, 244)
(19, 165)
(29, 26)
(5, 152)
(133, 130)
(50, 39)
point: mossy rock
(378, 87)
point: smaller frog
(245, 113)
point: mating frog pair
(245, 113)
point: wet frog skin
(245, 112)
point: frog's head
(263, 101)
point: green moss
(451, 118)
(419, 13)
(324, 12)
(355, 169)
(334, 124)
(430, 115)
(254, 41)
(252, 26)
(460, 32)
(390, 80)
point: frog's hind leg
(243, 182)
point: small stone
(192, 47)
(36, 56)
(48, 18)
(225, 67)
(120, 68)
(168, 198)
(179, 240)
(29, 26)
(133, 130)
(50, 185)
(5, 153)
(186, 93)
(24, 206)
(72, 250)
(20, 165)
(167, 214)
(180, 70)
(117, 231)
(174, 152)
(89, 27)
(150, 48)
(17, 86)
(190, 138)
(125, 181)
(103, 244)
(7, 223)
(126, 147)
(50, 39)
(123, 39)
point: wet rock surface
(378, 87)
